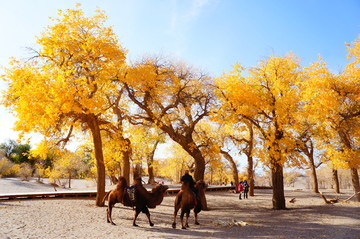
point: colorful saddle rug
(129, 196)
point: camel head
(122, 181)
(138, 181)
(160, 189)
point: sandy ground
(228, 217)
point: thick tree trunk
(95, 130)
(336, 180)
(355, 182)
(151, 173)
(314, 176)
(278, 186)
(126, 160)
(199, 165)
(250, 171)
(188, 144)
(203, 200)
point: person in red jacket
(240, 189)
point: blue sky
(210, 34)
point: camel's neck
(120, 186)
(185, 186)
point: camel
(140, 203)
(145, 200)
(186, 200)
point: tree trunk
(199, 165)
(150, 161)
(95, 130)
(203, 200)
(250, 171)
(314, 176)
(69, 179)
(278, 186)
(249, 152)
(355, 182)
(336, 180)
(151, 173)
(126, 160)
(137, 170)
(233, 167)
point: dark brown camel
(143, 198)
(186, 200)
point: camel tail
(106, 196)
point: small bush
(25, 171)
(6, 167)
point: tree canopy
(78, 83)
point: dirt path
(308, 217)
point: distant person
(246, 189)
(240, 188)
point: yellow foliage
(78, 60)
(266, 96)
(331, 103)
(7, 168)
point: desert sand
(227, 217)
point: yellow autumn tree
(45, 154)
(66, 166)
(175, 98)
(63, 87)
(266, 97)
(332, 101)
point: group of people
(243, 188)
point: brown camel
(142, 198)
(145, 200)
(187, 200)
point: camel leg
(176, 209)
(135, 216)
(175, 214)
(109, 211)
(150, 222)
(196, 218)
(187, 219)
(182, 219)
(107, 215)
